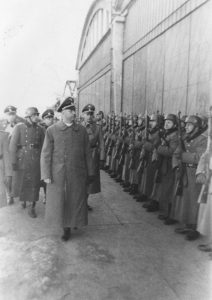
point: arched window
(97, 28)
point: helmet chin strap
(30, 119)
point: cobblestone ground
(124, 253)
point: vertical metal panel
(200, 60)
(176, 67)
(99, 59)
(154, 75)
(139, 84)
(97, 93)
(144, 15)
(128, 85)
(107, 92)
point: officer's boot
(31, 211)
(23, 204)
(142, 198)
(67, 234)
(153, 206)
(128, 188)
(10, 200)
(134, 189)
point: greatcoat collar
(63, 126)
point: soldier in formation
(160, 160)
(155, 159)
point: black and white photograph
(106, 150)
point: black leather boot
(67, 234)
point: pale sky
(39, 40)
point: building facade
(146, 54)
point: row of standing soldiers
(156, 159)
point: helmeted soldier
(11, 120)
(195, 145)
(164, 177)
(96, 141)
(147, 166)
(25, 148)
(100, 118)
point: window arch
(97, 28)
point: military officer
(47, 120)
(66, 167)
(25, 148)
(97, 145)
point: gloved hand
(101, 164)
(47, 181)
(201, 178)
(90, 179)
(15, 167)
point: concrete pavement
(124, 254)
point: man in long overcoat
(11, 120)
(47, 120)
(97, 147)
(5, 167)
(67, 169)
(25, 148)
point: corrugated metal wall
(95, 77)
(98, 93)
(172, 70)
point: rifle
(132, 152)
(143, 156)
(181, 167)
(112, 142)
(118, 143)
(107, 137)
(124, 146)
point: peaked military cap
(68, 103)
(48, 113)
(10, 109)
(89, 108)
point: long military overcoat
(25, 148)
(96, 141)
(66, 160)
(165, 188)
(5, 166)
(187, 206)
(147, 179)
(204, 224)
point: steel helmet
(195, 120)
(31, 111)
(171, 117)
